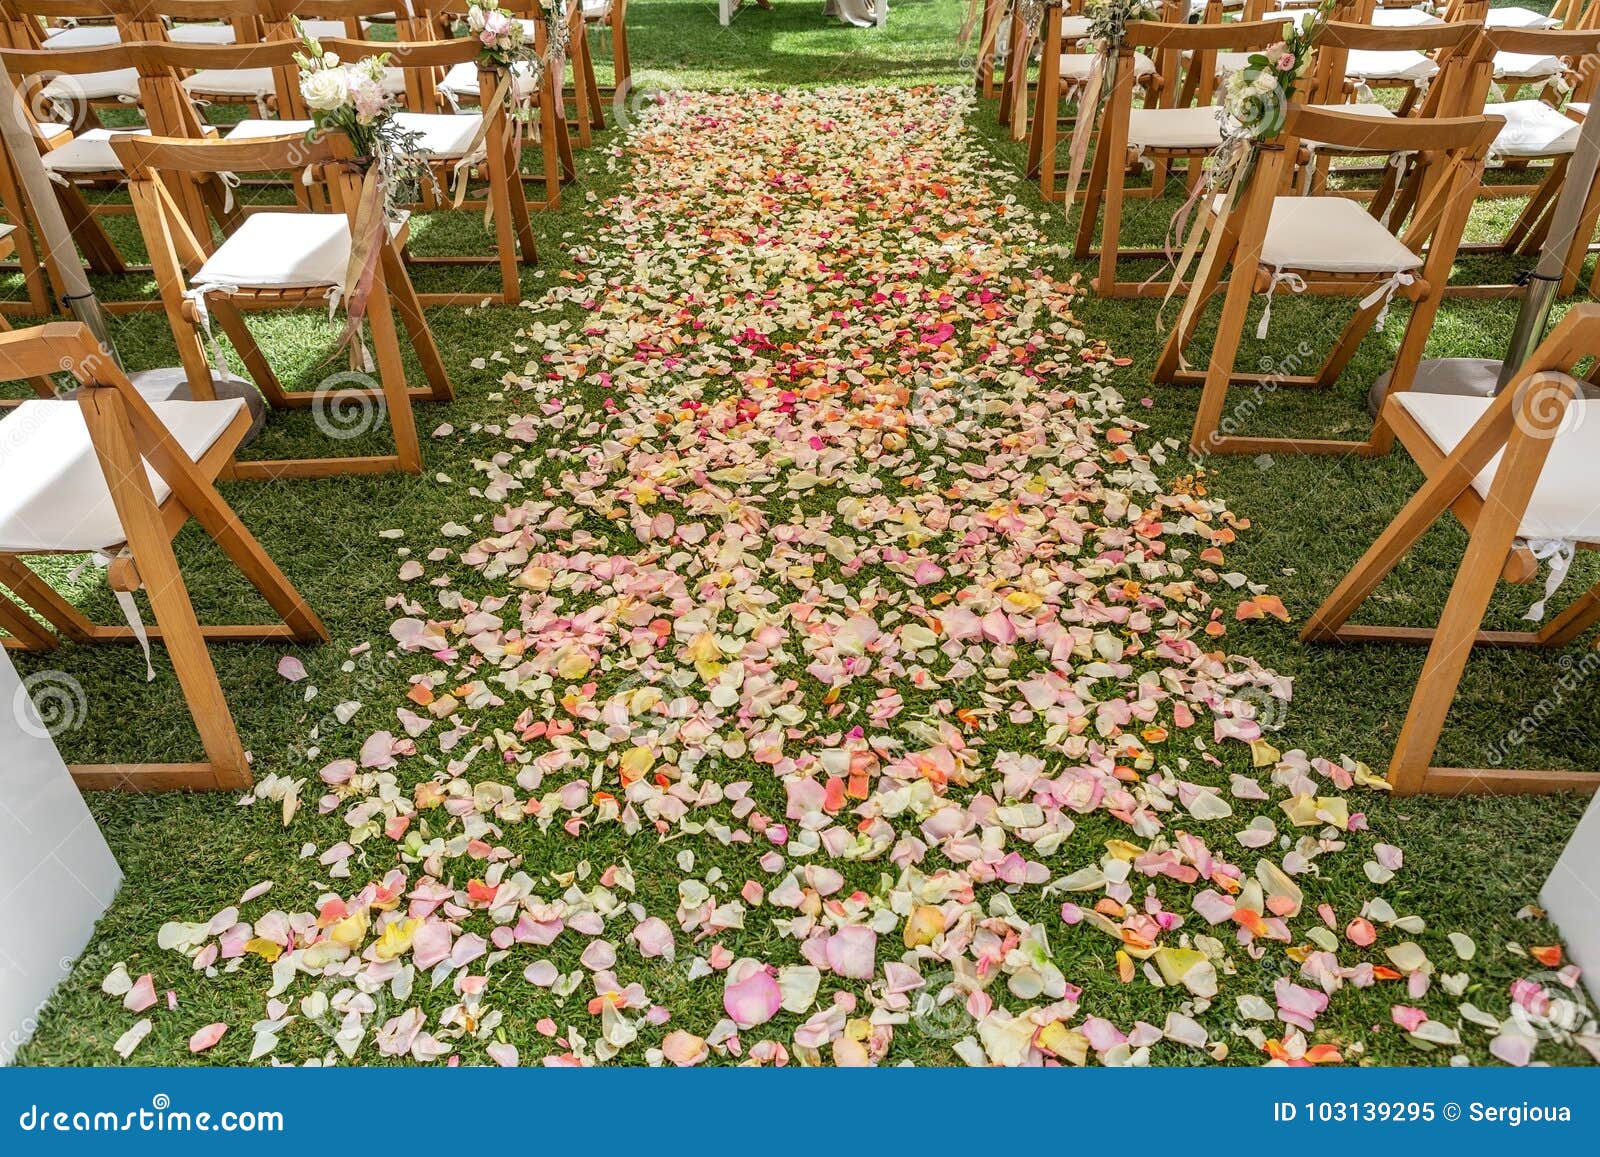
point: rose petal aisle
(818, 671)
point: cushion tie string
(1296, 284)
(197, 295)
(1385, 292)
(1559, 553)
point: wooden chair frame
(1580, 48)
(1113, 158)
(1440, 218)
(1521, 425)
(124, 429)
(557, 165)
(175, 254)
(1046, 125)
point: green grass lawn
(1471, 862)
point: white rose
(326, 90)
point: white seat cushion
(83, 36)
(1514, 17)
(1403, 18)
(443, 134)
(90, 152)
(596, 9)
(1362, 64)
(52, 493)
(1524, 66)
(1228, 63)
(257, 83)
(1174, 128)
(1331, 235)
(1533, 129)
(1578, 107)
(1563, 504)
(282, 251)
(1074, 27)
(462, 80)
(201, 34)
(119, 84)
(1075, 66)
(51, 131)
(255, 128)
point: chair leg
(403, 294)
(112, 435)
(392, 375)
(621, 63)
(1518, 474)
(26, 632)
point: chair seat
(1074, 27)
(1578, 107)
(118, 84)
(1331, 235)
(1364, 64)
(255, 128)
(1403, 18)
(83, 36)
(1514, 17)
(1174, 128)
(1075, 66)
(50, 131)
(1524, 66)
(282, 251)
(462, 80)
(446, 135)
(90, 152)
(1563, 503)
(258, 83)
(201, 34)
(1533, 129)
(52, 494)
(596, 9)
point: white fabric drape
(861, 13)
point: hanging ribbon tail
(986, 44)
(130, 611)
(1103, 67)
(1216, 222)
(475, 151)
(1559, 552)
(366, 247)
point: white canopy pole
(1545, 279)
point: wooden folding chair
(461, 86)
(1536, 130)
(1126, 136)
(1451, 49)
(612, 17)
(1329, 246)
(22, 26)
(288, 260)
(1513, 469)
(86, 160)
(114, 472)
(1062, 77)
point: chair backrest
(1451, 45)
(1166, 41)
(1578, 49)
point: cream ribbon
(1559, 552)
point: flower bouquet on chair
(350, 99)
